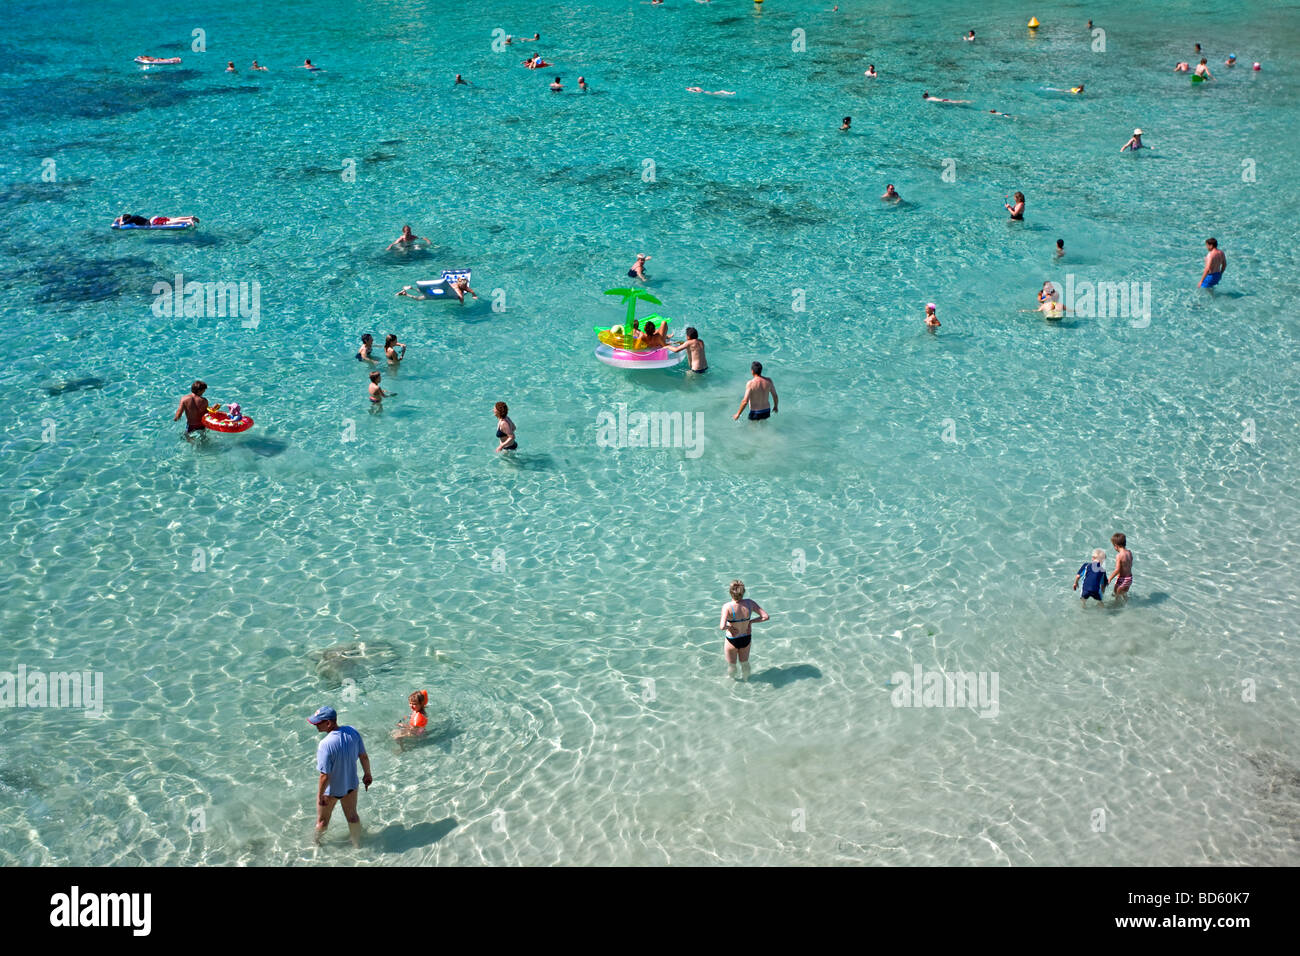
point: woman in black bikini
(505, 428)
(737, 618)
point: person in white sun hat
(1134, 143)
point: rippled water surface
(919, 500)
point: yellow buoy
(1033, 23)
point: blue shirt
(1094, 579)
(337, 756)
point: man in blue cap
(336, 759)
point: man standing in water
(1215, 263)
(193, 406)
(694, 347)
(760, 393)
(336, 759)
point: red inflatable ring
(220, 422)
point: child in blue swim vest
(1093, 575)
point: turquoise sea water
(561, 607)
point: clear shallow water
(612, 564)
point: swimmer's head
(1232, 56)
(691, 333)
(1060, 243)
(737, 590)
(419, 700)
(1098, 555)
(929, 308)
(1118, 540)
(1203, 60)
(756, 368)
(374, 377)
(1137, 132)
(649, 328)
(367, 338)
(199, 387)
(642, 257)
(390, 339)
(1211, 243)
(501, 409)
(1019, 197)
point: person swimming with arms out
(406, 240)
(737, 624)
(694, 347)
(760, 393)
(1122, 578)
(308, 65)
(391, 346)
(1215, 263)
(891, 194)
(925, 95)
(1018, 210)
(1183, 67)
(363, 353)
(1134, 143)
(377, 394)
(257, 68)
(696, 89)
(505, 428)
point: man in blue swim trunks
(1215, 263)
(760, 393)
